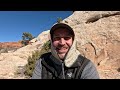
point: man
(64, 61)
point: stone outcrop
(98, 36)
(13, 61)
(10, 45)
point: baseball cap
(61, 25)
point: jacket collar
(59, 63)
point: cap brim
(61, 25)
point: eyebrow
(61, 34)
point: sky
(14, 23)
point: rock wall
(98, 36)
(13, 61)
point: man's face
(62, 41)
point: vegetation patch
(35, 56)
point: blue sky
(14, 23)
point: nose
(62, 41)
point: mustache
(61, 46)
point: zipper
(63, 70)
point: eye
(56, 38)
(67, 37)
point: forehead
(61, 31)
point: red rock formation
(10, 45)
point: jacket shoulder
(90, 72)
(82, 60)
(45, 55)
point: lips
(62, 50)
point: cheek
(69, 43)
(55, 43)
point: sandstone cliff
(12, 61)
(98, 36)
(10, 44)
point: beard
(62, 51)
(62, 56)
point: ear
(49, 37)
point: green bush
(26, 37)
(3, 50)
(59, 20)
(35, 56)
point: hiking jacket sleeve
(90, 72)
(37, 70)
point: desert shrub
(59, 19)
(8, 49)
(35, 56)
(3, 50)
(26, 37)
